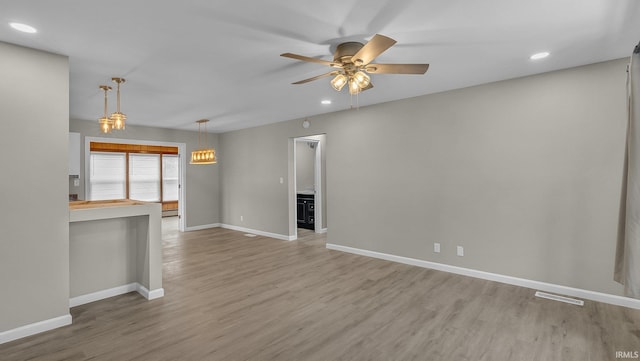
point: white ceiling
(193, 59)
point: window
(169, 177)
(107, 177)
(144, 177)
(142, 172)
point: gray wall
(103, 254)
(203, 181)
(34, 246)
(251, 178)
(524, 173)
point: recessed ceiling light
(24, 28)
(326, 102)
(538, 56)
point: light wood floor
(231, 297)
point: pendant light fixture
(118, 118)
(203, 155)
(105, 122)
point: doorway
(308, 184)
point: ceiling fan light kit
(353, 59)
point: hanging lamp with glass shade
(203, 155)
(105, 122)
(118, 118)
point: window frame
(127, 149)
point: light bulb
(105, 125)
(118, 120)
(338, 82)
(362, 78)
(354, 88)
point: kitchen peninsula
(115, 247)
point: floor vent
(550, 296)
(249, 235)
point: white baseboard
(244, 229)
(201, 227)
(150, 295)
(260, 233)
(34, 328)
(116, 291)
(321, 231)
(102, 294)
(46, 325)
(536, 285)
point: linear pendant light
(203, 155)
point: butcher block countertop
(74, 205)
(117, 208)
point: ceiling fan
(352, 61)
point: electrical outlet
(460, 251)
(241, 218)
(436, 247)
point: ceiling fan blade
(317, 77)
(376, 46)
(397, 68)
(309, 59)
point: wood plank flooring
(232, 297)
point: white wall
(524, 173)
(34, 246)
(305, 166)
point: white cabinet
(74, 154)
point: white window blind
(169, 177)
(107, 176)
(144, 177)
